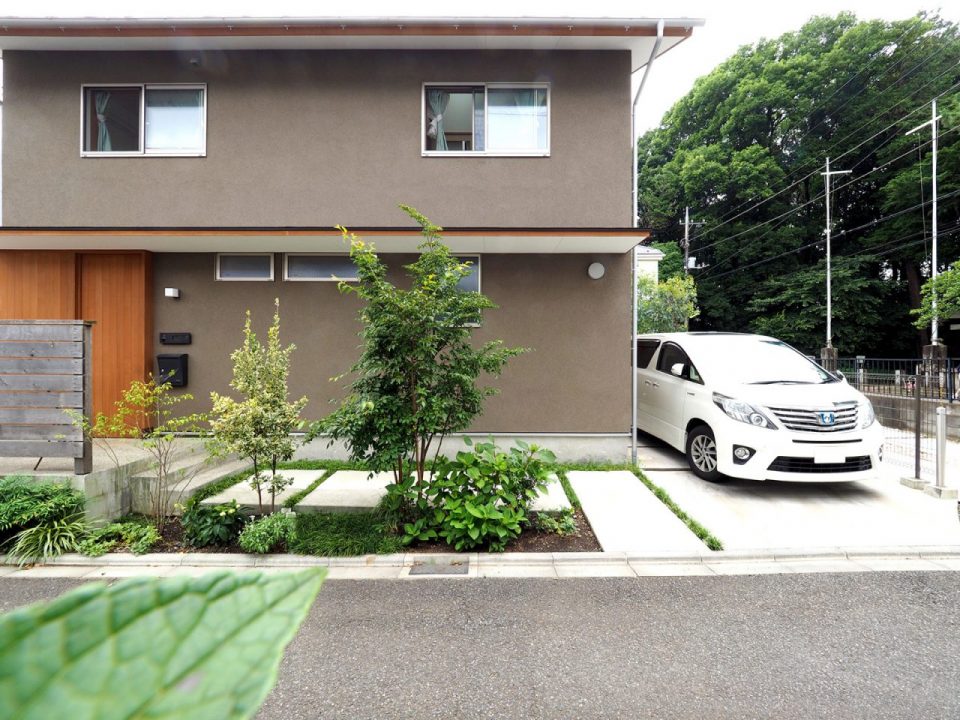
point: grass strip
(331, 465)
(341, 534)
(291, 501)
(706, 537)
(568, 488)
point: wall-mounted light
(596, 271)
(172, 293)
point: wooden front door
(115, 294)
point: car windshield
(760, 361)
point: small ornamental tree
(417, 377)
(147, 413)
(259, 427)
(947, 288)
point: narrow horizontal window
(329, 268)
(245, 266)
(471, 282)
(488, 119)
(144, 120)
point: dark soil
(532, 540)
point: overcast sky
(729, 24)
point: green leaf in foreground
(183, 648)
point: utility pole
(934, 329)
(686, 239)
(829, 354)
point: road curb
(597, 564)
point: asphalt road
(877, 645)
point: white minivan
(752, 407)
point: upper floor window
(245, 266)
(486, 119)
(128, 120)
(319, 267)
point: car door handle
(691, 394)
(654, 384)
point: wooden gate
(45, 370)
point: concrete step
(187, 475)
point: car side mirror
(677, 369)
(843, 378)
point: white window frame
(287, 278)
(257, 254)
(142, 151)
(486, 107)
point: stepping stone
(246, 496)
(347, 491)
(627, 517)
(553, 499)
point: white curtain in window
(437, 104)
(101, 99)
(174, 120)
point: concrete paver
(553, 499)
(626, 516)
(347, 491)
(246, 496)
(762, 515)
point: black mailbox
(173, 369)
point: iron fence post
(917, 410)
(941, 445)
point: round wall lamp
(596, 271)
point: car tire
(702, 454)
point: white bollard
(941, 445)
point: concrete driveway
(749, 515)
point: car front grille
(817, 420)
(807, 465)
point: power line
(762, 261)
(833, 146)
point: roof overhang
(321, 240)
(386, 33)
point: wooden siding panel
(38, 285)
(114, 289)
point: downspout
(633, 253)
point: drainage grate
(459, 568)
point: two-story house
(162, 176)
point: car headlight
(744, 412)
(867, 415)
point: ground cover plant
(272, 533)
(205, 525)
(137, 536)
(334, 534)
(39, 520)
(259, 426)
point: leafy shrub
(331, 534)
(481, 498)
(268, 534)
(205, 525)
(24, 503)
(136, 536)
(48, 539)
(560, 523)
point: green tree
(666, 306)
(417, 377)
(946, 288)
(745, 149)
(259, 426)
(672, 263)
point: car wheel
(702, 454)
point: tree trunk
(913, 286)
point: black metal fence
(905, 394)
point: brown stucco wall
(316, 138)
(576, 379)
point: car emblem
(827, 418)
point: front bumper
(801, 456)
